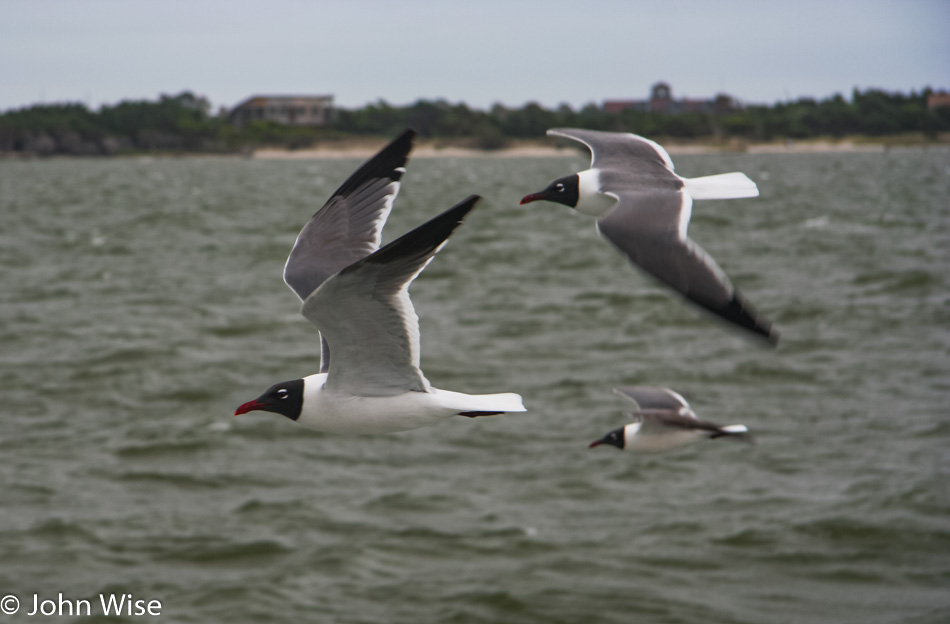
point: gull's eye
(559, 187)
(282, 393)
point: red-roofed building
(938, 99)
(662, 101)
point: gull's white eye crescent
(282, 393)
(559, 187)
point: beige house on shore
(290, 110)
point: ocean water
(142, 301)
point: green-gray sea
(141, 301)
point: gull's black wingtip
(426, 238)
(402, 144)
(739, 312)
(440, 227)
(389, 162)
(462, 208)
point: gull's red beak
(595, 443)
(527, 199)
(250, 406)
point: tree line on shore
(184, 123)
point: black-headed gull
(663, 421)
(643, 209)
(357, 296)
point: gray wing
(666, 421)
(663, 410)
(650, 229)
(653, 398)
(365, 314)
(625, 159)
(349, 226)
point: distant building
(661, 101)
(938, 99)
(291, 110)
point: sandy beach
(420, 151)
(365, 149)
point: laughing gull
(644, 208)
(663, 421)
(357, 296)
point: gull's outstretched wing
(349, 226)
(650, 229)
(653, 398)
(625, 159)
(661, 410)
(365, 314)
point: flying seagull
(643, 209)
(357, 296)
(663, 421)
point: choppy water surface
(141, 302)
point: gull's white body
(336, 412)
(658, 440)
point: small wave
(897, 282)
(749, 538)
(162, 448)
(181, 479)
(404, 501)
(200, 551)
(847, 532)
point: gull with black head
(357, 295)
(643, 209)
(663, 421)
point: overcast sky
(508, 51)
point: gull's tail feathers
(740, 432)
(480, 404)
(734, 185)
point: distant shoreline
(364, 150)
(365, 147)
